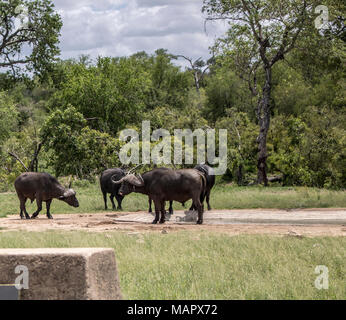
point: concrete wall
(63, 274)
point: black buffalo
(108, 186)
(170, 203)
(44, 188)
(163, 185)
(210, 181)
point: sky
(124, 27)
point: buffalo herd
(160, 185)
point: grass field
(223, 197)
(203, 265)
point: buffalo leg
(208, 197)
(200, 214)
(193, 206)
(105, 199)
(119, 200)
(197, 204)
(23, 209)
(48, 203)
(150, 207)
(163, 212)
(112, 200)
(202, 198)
(157, 211)
(171, 207)
(39, 209)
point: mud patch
(293, 223)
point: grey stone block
(63, 274)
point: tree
(310, 149)
(24, 24)
(25, 147)
(61, 131)
(169, 86)
(109, 94)
(241, 144)
(74, 148)
(224, 90)
(198, 68)
(8, 117)
(264, 32)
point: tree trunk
(240, 175)
(34, 162)
(263, 114)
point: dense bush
(310, 149)
(78, 111)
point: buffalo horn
(119, 181)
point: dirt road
(308, 222)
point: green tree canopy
(8, 116)
(74, 148)
(109, 94)
(28, 26)
(261, 34)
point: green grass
(202, 265)
(223, 197)
(227, 197)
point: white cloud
(119, 27)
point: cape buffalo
(108, 186)
(210, 181)
(42, 187)
(170, 203)
(163, 185)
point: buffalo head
(70, 198)
(129, 183)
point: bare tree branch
(12, 154)
(198, 73)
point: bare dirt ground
(296, 223)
